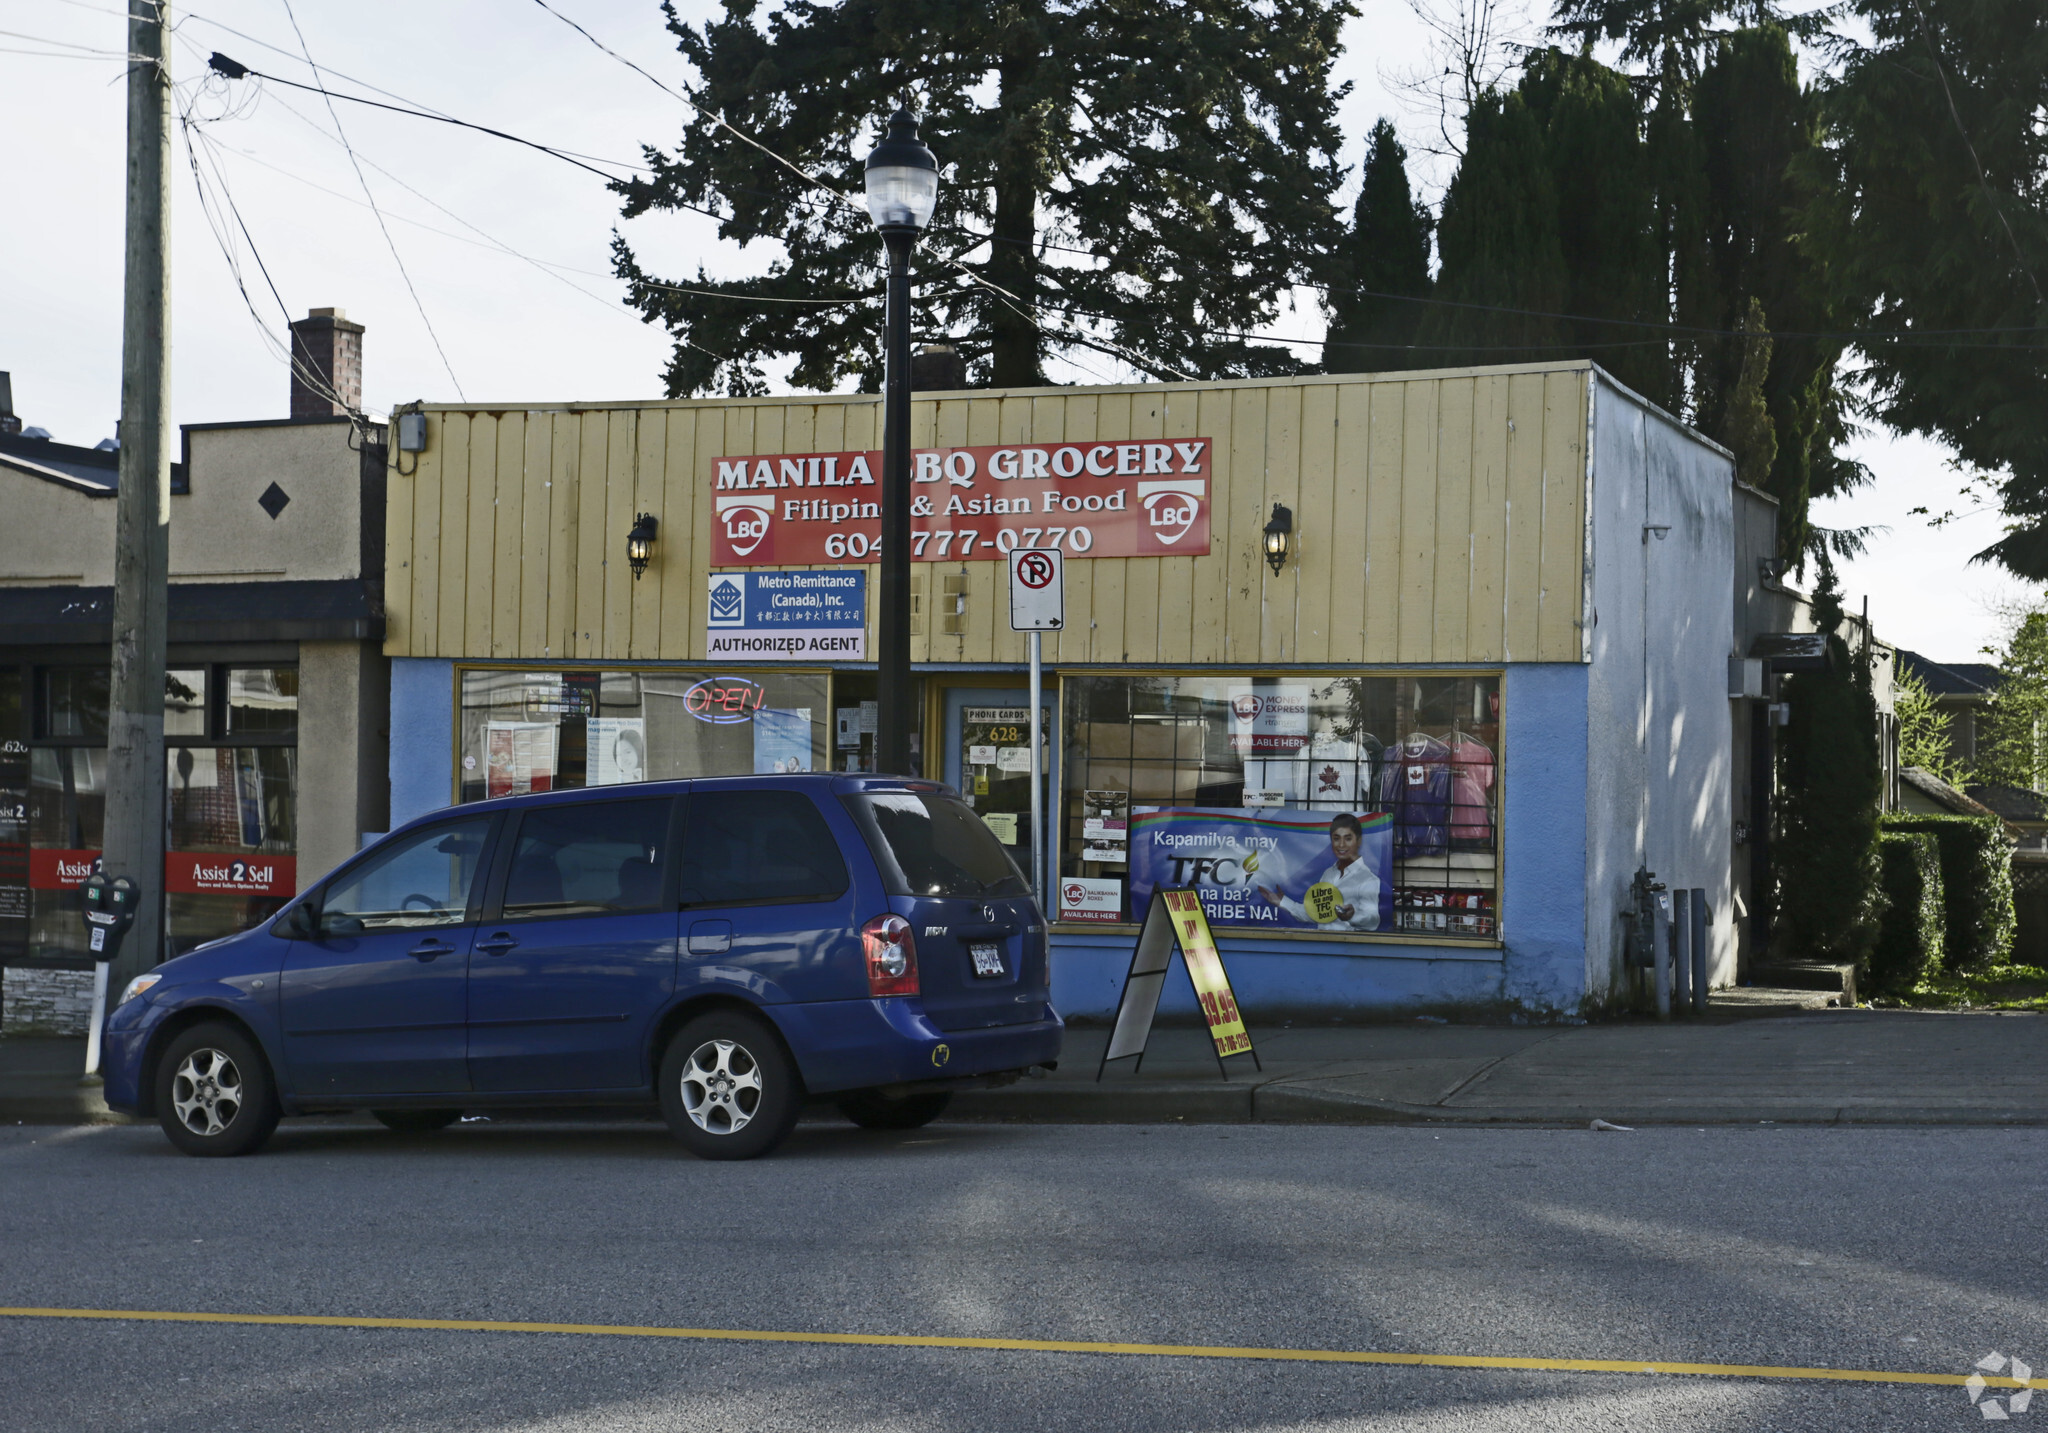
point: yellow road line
(1030, 1345)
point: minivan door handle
(710, 937)
(498, 944)
(428, 949)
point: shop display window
(71, 703)
(231, 772)
(262, 701)
(526, 730)
(1342, 805)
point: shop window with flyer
(1354, 806)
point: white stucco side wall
(1659, 736)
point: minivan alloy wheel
(721, 1087)
(206, 1092)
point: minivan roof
(836, 782)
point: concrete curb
(1282, 1103)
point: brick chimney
(325, 342)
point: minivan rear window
(927, 844)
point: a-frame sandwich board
(1175, 921)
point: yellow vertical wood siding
(1438, 517)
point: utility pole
(135, 796)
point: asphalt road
(1870, 1248)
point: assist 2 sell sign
(1142, 498)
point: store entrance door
(987, 745)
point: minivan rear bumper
(858, 1044)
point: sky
(500, 289)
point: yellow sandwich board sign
(1174, 921)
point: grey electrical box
(1745, 677)
(412, 432)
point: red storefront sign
(186, 873)
(191, 873)
(60, 870)
(1145, 498)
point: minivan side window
(420, 880)
(603, 858)
(756, 847)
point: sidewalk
(1806, 1067)
(40, 1083)
(1792, 1066)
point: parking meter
(109, 911)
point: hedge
(1909, 936)
(1976, 881)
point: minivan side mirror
(301, 922)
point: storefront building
(275, 698)
(1407, 674)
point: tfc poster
(1295, 870)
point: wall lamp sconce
(1279, 537)
(640, 543)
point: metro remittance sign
(1142, 498)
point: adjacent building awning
(1792, 651)
(341, 610)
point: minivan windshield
(928, 844)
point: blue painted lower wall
(1541, 967)
(422, 737)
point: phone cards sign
(820, 616)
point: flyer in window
(616, 750)
(782, 740)
(519, 757)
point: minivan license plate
(988, 958)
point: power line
(307, 372)
(382, 227)
(1008, 299)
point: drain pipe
(1660, 954)
(1702, 917)
(1681, 946)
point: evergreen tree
(1386, 253)
(1117, 176)
(1925, 739)
(1606, 214)
(1934, 218)
(1502, 276)
(1758, 132)
(2012, 742)
(1746, 426)
(1831, 794)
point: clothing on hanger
(1472, 770)
(1415, 785)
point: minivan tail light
(891, 955)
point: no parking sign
(1038, 589)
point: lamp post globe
(902, 179)
(902, 192)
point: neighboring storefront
(1406, 675)
(231, 732)
(275, 701)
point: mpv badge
(934, 930)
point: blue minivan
(731, 948)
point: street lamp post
(903, 189)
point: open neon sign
(724, 701)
